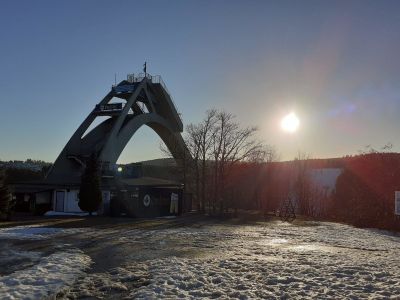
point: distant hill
(29, 164)
(161, 162)
(164, 168)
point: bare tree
(207, 132)
(368, 149)
(230, 145)
(302, 188)
(183, 163)
(193, 140)
(188, 164)
(215, 145)
(261, 158)
(265, 154)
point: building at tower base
(140, 100)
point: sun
(290, 123)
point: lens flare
(290, 123)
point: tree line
(365, 191)
(230, 169)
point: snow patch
(12, 259)
(319, 260)
(9, 256)
(28, 232)
(36, 232)
(277, 241)
(44, 280)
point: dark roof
(36, 187)
(40, 186)
(150, 181)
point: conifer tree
(5, 198)
(90, 193)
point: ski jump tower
(139, 100)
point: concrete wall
(131, 203)
(71, 201)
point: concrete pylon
(142, 100)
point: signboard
(124, 88)
(146, 200)
(109, 107)
(397, 203)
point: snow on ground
(13, 259)
(278, 260)
(33, 274)
(36, 232)
(28, 232)
(45, 279)
(273, 260)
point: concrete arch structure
(142, 100)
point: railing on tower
(132, 78)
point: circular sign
(146, 200)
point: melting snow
(28, 232)
(36, 232)
(44, 280)
(29, 274)
(272, 260)
(322, 260)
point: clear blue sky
(335, 63)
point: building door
(106, 202)
(60, 197)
